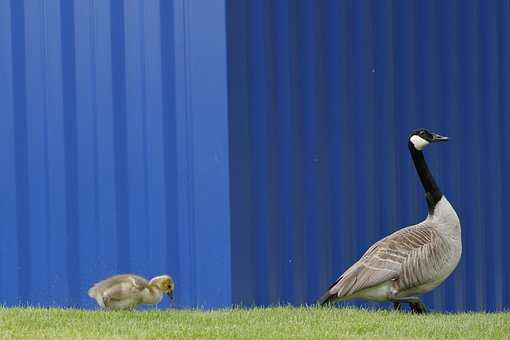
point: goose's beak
(438, 138)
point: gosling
(127, 291)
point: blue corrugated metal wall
(322, 96)
(113, 122)
(115, 138)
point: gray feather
(400, 256)
(109, 284)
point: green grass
(259, 323)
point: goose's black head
(420, 138)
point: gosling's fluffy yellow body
(127, 291)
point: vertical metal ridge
(185, 145)
(286, 172)
(8, 199)
(334, 94)
(309, 142)
(135, 116)
(469, 107)
(144, 113)
(118, 55)
(39, 12)
(108, 239)
(504, 107)
(95, 125)
(154, 135)
(70, 149)
(190, 155)
(17, 234)
(322, 161)
(272, 145)
(258, 118)
(37, 155)
(88, 225)
(55, 138)
(384, 82)
(298, 239)
(404, 16)
(242, 208)
(169, 143)
(489, 62)
(347, 135)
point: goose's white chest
(448, 224)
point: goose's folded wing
(422, 264)
(365, 273)
(384, 261)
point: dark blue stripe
(87, 141)
(286, 220)
(119, 114)
(241, 198)
(169, 125)
(272, 145)
(8, 201)
(20, 134)
(258, 118)
(297, 197)
(504, 107)
(70, 137)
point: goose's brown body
(411, 261)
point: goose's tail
(326, 298)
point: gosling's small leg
(106, 301)
(396, 306)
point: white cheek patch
(418, 142)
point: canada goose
(128, 291)
(412, 260)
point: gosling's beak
(170, 295)
(438, 138)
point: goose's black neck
(432, 191)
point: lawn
(259, 323)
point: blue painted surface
(114, 123)
(322, 96)
(251, 149)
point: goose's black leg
(415, 303)
(418, 307)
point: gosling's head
(165, 284)
(420, 138)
